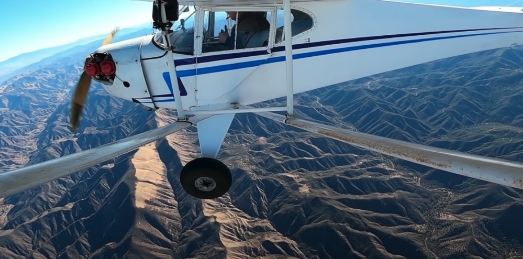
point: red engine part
(108, 67)
(92, 69)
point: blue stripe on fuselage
(159, 101)
(246, 64)
(254, 63)
(167, 79)
(207, 59)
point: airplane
(185, 66)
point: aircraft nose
(108, 60)
(118, 67)
(101, 66)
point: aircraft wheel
(206, 178)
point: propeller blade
(110, 36)
(82, 88)
(80, 94)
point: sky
(51, 23)
(29, 25)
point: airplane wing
(34, 175)
(503, 172)
(231, 2)
(209, 3)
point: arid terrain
(295, 194)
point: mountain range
(294, 195)
(40, 58)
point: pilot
(248, 23)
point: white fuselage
(346, 40)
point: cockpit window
(182, 37)
(300, 22)
(221, 32)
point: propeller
(82, 87)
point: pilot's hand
(224, 34)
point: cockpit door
(226, 54)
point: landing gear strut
(206, 178)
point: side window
(221, 22)
(300, 22)
(279, 18)
(221, 32)
(205, 22)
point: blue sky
(56, 22)
(29, 25)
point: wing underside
(236, 2)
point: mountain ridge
(294, 194)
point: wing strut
(165, 26)
(492, 170)
(34, 175)
(288, 56)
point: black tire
(206, 172)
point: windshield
(182, 37)
(219, 32)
